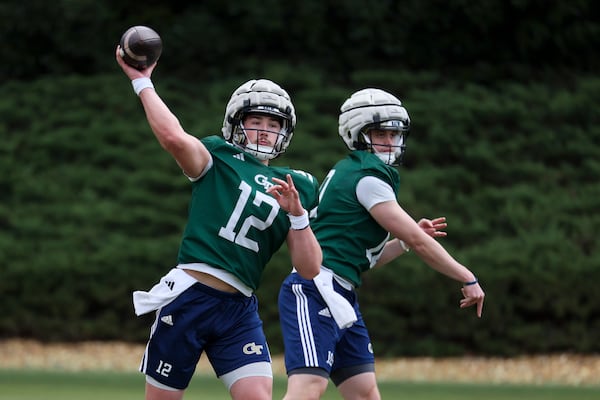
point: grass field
(44, 385)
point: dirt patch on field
(557, 369)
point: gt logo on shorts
(252, 348)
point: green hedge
(92, 208)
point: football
(141, 46)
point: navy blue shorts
(313, 341)
(201, 319)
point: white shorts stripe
(144, 362)
(305, 328)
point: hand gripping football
(140, 46)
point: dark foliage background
(505, 142)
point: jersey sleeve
(371, 191)
(210, 143)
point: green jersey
(351, 240)
(233, 223)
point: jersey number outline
(241, 238)
(322, 189)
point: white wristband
(140, 84)
(299, 222)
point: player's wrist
(471, 283)
(140, 84)
(299, 222)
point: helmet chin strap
(387, 158)
(261, 152)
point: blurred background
(504, 100)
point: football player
(241, 211)
(324, 334)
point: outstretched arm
(396, 247)
(305, 251)
(188, 151)
(395, 220)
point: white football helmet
(370, 109)
(260, 96)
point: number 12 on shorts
(164, 368)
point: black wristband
(471, 283)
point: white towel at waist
(170, 286)
(341, 310)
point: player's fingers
(276, 195)
(274, 189)
(290, 181)
(118, 55)
(468, 301)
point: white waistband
(221, 274)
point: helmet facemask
(262, 97)
(241, 139)
(374, 109)
(390, 153)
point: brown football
(141, 46)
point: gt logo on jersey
(252, 348)
(263, 181)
